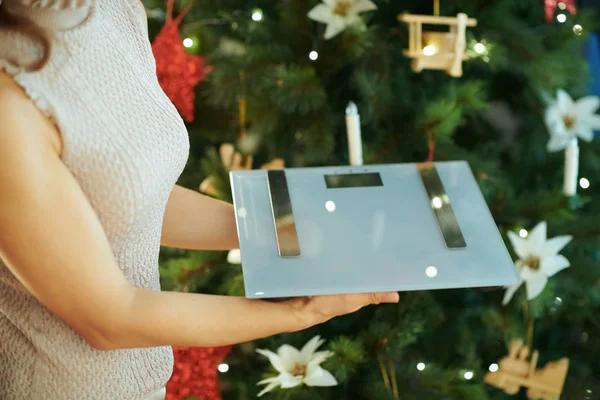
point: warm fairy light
(577, 29)
(584, 183)
(223, 367)
(421, 366)
(257, 15)
(562, 5)
(523, 233)
(313, 55)
(468, 375)
(429, 50)
(188, 42)
(561, 18)
(493, 367)
(479, 48)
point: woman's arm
(186, 319)
(52, 241)
(198, 222)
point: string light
(493, 367)
(468, 375)
(429, 50)
(577, 29)
(479, 48)
(188, 42)
(561, 18)
(223, 367)
(558, 300)
(313, 55)
(562, 5)
(420, 366)
(257, 15)
(584, 183)
(523, 233)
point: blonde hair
(23, 25)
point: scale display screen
(339, 181)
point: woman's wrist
(302, 316)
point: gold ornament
(437, 50)
(516, 371)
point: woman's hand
(318, 309)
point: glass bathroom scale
(394, 227)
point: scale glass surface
(395, 227)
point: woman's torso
(126, 145)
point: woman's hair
(28, 28)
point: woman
(90, 150)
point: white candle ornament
(571, 168)
(354, 135)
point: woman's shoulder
(12, 97)
(22, 121)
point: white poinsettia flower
(538, 260)
(339, 14)
(567, 119)
(298, 366)
(234, 256)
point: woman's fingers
(385, 297)
(365, 299)
(347, 303)
(318, 309)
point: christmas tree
(279, 75)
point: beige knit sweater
(126, 145)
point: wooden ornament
(234, 161)
(516, 371)
(437, 50)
